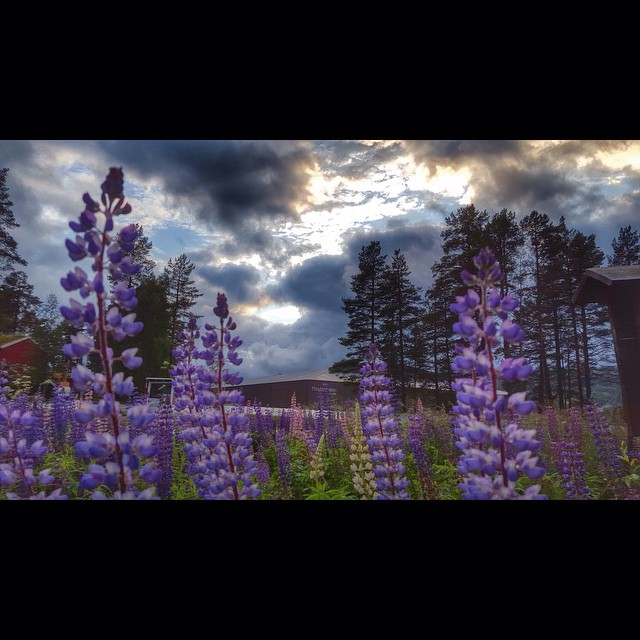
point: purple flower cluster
(4, 384)
(381, 429)
(97, 323)
(326, 420)
(483, 317)
(569, 460)
(218, 448)
(606, 449)
(18, 459)
(61, 414)
(103, 447)
(162, 429)
(417, 441)
(284, 459)
(263, 472)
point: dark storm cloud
(275, 251)
(454, 153)
(527, 188)
(573, 149)
(230, 182)
(316, 283)
(237, 281)
(563, 179)
(354, 159)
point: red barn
(17, 349)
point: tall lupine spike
(4, 383)
(218, 447)
(101, 323)
(263, 473)
(568, 458)
(606, 448)
(162, 429)
(364, 480)
(417, 442)
(284, 460)
(296, 417)
(381, 429)
(488, 471)
(317, 470)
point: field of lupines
(106, 441)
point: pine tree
(505, 238)
(582, 254)
(182, 294)
(539, 233)
(626, 248)
(51, 332)
(464, 236)
(363, 310)
(18, 304)
(462, 239)
(400, 310)
(8, 246)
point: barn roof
(316, 375)
(596, 284)
(7, 339)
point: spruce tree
(582, 254)
(181, 293)
(51, 331)
(400, 310)
(464, 236)
(626, 248)
(18, 304)
(363, 310)
(9, 255)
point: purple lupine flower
(333, 429)
(284, 460)
(4, 383)
(417, 441)
(607, 451)
(122, 468)
(485, 442)
(381, 429)
(218, 447)
(263, 472)
(552, 423)
(162, 430)
(18, 458)
(569, 460)
(59, 416)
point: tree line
(542, 262)
(164, 303)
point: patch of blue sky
(171, 240)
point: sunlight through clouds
(286, 314)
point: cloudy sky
(277, 225)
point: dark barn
(276, 390)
